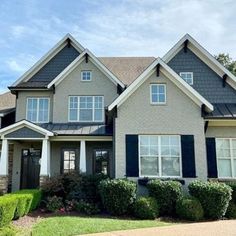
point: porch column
(45, 161)
(4, 166)
(82, 161)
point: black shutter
(132, 163)
(188, 156)
(211, 158)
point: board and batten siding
(180, 116)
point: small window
(158, 93)
(68, 161)
(86, 75)
(187, 77)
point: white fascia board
(203, 54)
(47, 57)
(25, 123)
(174, 77)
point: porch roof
(66, 129)
(222, 111)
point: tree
(227, 62)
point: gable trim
(21, 124)
(77, 61)
(203, 54)
(48, 56)
(170, 74)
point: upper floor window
(187, 77)
(158, 93)
(38, 110)
(86, 75)
(86, 108)
(226, 157)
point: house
(136, 117)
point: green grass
(8, 231)
(69, 225)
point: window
(101, 162)
(68, 160)
(158, 93)
(86, 75)
(38, 110)
(226, 157)
(187, 77)
(86, 108)
(159, 155)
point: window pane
(32, 109)
(144, 140)
(162, 98)
(98, 115)
(144, 150)
(73, 115)
(224, 168)
(86, 115)
(43, 110)
(170, 166)
(154, 88)
(149, 166)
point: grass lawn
(74, 225)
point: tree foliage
(227, 62)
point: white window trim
(231, 158)
(81, 75)
(78, 109)
(158, 103)
(186, 72)
(37, 120)
(159, 159)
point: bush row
(18, 204)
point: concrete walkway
(216, 228)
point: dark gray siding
(56, 64)
(24, 133)
(205, 80)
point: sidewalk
(216, 228)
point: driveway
(216, 228)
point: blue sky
(29, 28)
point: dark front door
(30, 168)
(101, 162)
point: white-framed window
(158, 93)
(226, 157)
(86, 75)
(187, 77)
(37, 109)
(159, 156)
(86, 108)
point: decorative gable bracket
(224, 79)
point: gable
(207, 82)
(24, 132)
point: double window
(226, 157)
(159, 156)
(86, 109)
(187, 77)
(38, 110)
(86, 75)
(158, 93)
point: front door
(101, 162)
(30, 168)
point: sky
(29, 28)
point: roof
(222, 111)
(78, 129)
(7, 101)
(170, 74)
(127, 69)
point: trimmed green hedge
(146, 208)
(189, 209)
(213, 196)
(7, 210)
(118, 195)
(36, 195)
(166, 193)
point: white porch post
(82, 156)
(45, 161)
(4, 158)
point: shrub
(54, 204)
(213, 196)
(189, 209)
(86, 208)
(146, 208)
(7, 210)
(231, 210)
(36, 197)
(8, 230)
(166, 193)
(117, 195)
